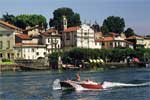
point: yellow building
(7, 39)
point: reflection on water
(38, 85)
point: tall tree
(9, 18)
(96, 27)
(57, 20)
(113, 24)
(129, 32)
(25, 20)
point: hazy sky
(136, 13)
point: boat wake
(105, 85)
(56, 84)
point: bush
(6, 60)
(76, 55)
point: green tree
(96, 27)
(25, 20)
(129, 32)
(57, 20)
(113, 24)
(9, 18)
(104, 29)
(53, 59)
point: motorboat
(90, 85)
(80, 85)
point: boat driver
(77, 77)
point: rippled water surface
(37, 85)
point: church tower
(64, 22)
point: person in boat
(77, 77)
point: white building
(52, 40)
(113, 40)
(147, 42)
(82, 37)
(28, 48)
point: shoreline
(112, 65)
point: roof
(52, 30)
(49, 33)
(9, 25)
(108, 39)
(147, 37)
(104, 39)
(135, 37)
(28, 45)
(23, 36)
(20, 44)
(71, 29)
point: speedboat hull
(73, 85)
(66, 86)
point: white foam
(106, 84)
(56, 85)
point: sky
(136, 13)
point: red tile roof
(52, 30)
(21, 44)
(23, 36)
(9, 25)
(104, 39)
(49, 33)
(71, 29)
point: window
(67, 36)
(8, 43)
(18, 54)
(37, 53)
(8, 35)
(48, 40)
(1, 55)
(1, 44)
(8, 55)
(44, 53)
(95, 43)
(111, 43)
(85, 33)
(32, 50)
(102, 43)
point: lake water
(37, 85)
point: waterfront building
(7, 39)
(79, 36)
(29, 47)
(147, 41)
(139, 41)
(52, 39)
(113, 40)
